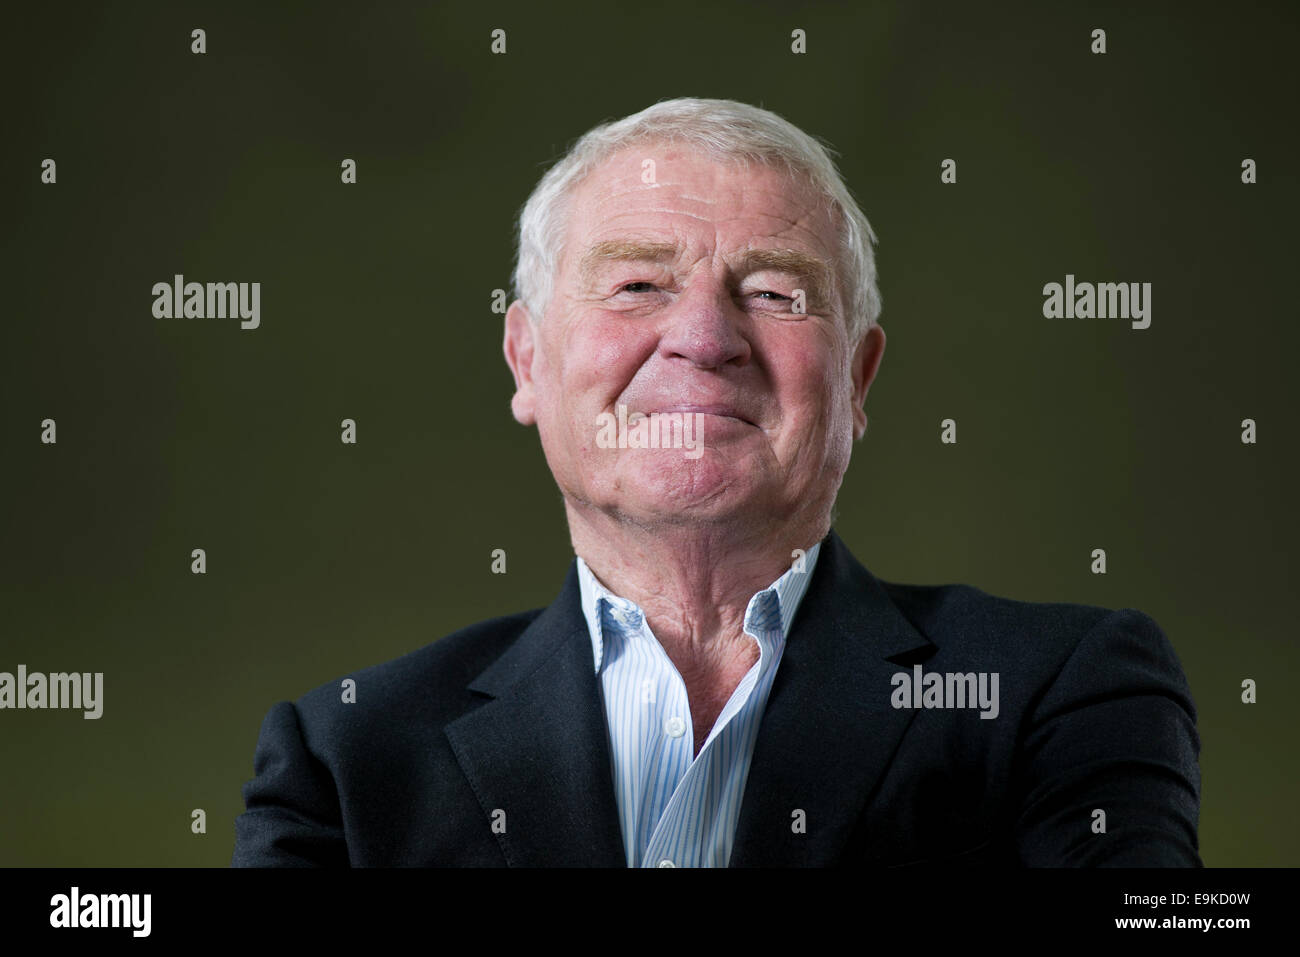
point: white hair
(724, 130)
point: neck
(693, 580)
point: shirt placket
(667, 846)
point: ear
(520, 345)
(866, 360)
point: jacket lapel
(539, 750)
(828, 730)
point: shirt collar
(776, 603)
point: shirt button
(675, 727)
(666, 863)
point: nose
(705, 326)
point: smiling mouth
(720, 411)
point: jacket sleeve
(291, 816)
(1114, 732)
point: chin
(668, 488)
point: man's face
(678, 297)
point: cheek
(806, 380)
(585, 367)
(603, 356)
(819, 420)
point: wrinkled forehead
(639, 184)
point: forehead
(670, 193)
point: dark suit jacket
(1095, 713)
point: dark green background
(324, 558)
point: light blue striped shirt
(676, 809)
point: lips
(730, 411)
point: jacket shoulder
(426, 685)
(939, 606)
(968, 620)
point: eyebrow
(818, 274)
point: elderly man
(720, 682)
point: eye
(768, 292)
(627, 286)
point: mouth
(720, 411)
